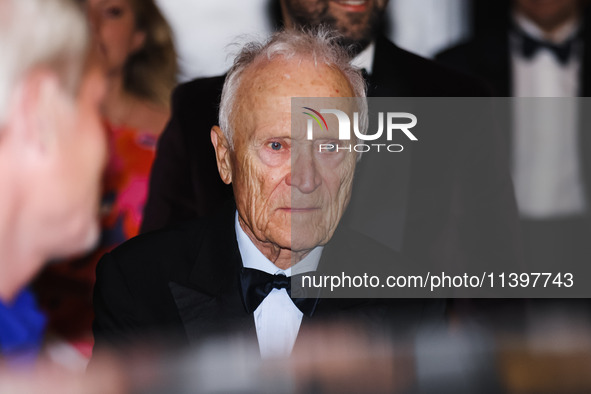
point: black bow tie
(256, 285)
(530, 46)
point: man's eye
(276, 145)
(328, 147)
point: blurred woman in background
(137, 51)
(139, 57)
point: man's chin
(306, 243)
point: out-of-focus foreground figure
(52, 152)
(134, 44)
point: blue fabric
(21, 327)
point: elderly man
(463, 218)
(226, 273)
(52, 151)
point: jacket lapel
(204, 315)
(210, 304)
(496, 62)
(389, 78)
(585, 77)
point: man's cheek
(270, 158)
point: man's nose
(304, 173)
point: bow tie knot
(256, 285)
(530, 46)
(279, 281)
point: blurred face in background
(548, 14)
(357, 20)
(115, 32)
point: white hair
(40, 33)
(320, 45)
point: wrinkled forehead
(268, 87)
(295, 77)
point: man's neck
(117, 104)
(555, 31)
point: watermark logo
(394, 122)
(318, 115)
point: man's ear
(222, 154)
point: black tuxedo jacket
(455, 190)
(183, 284)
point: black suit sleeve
(170, 197)
(184, 182)
(114, 304)
(458, 58)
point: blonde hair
(40, 33)
(151, 72)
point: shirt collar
(365, 58)
(567, 31)
(253, 258)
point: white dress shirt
(546, 159)
(277, 319)
(364, 59)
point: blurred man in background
(541, 51)
(543, 36)
(538, 52)
(52, 151)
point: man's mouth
(299, 209)
(352, 5)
